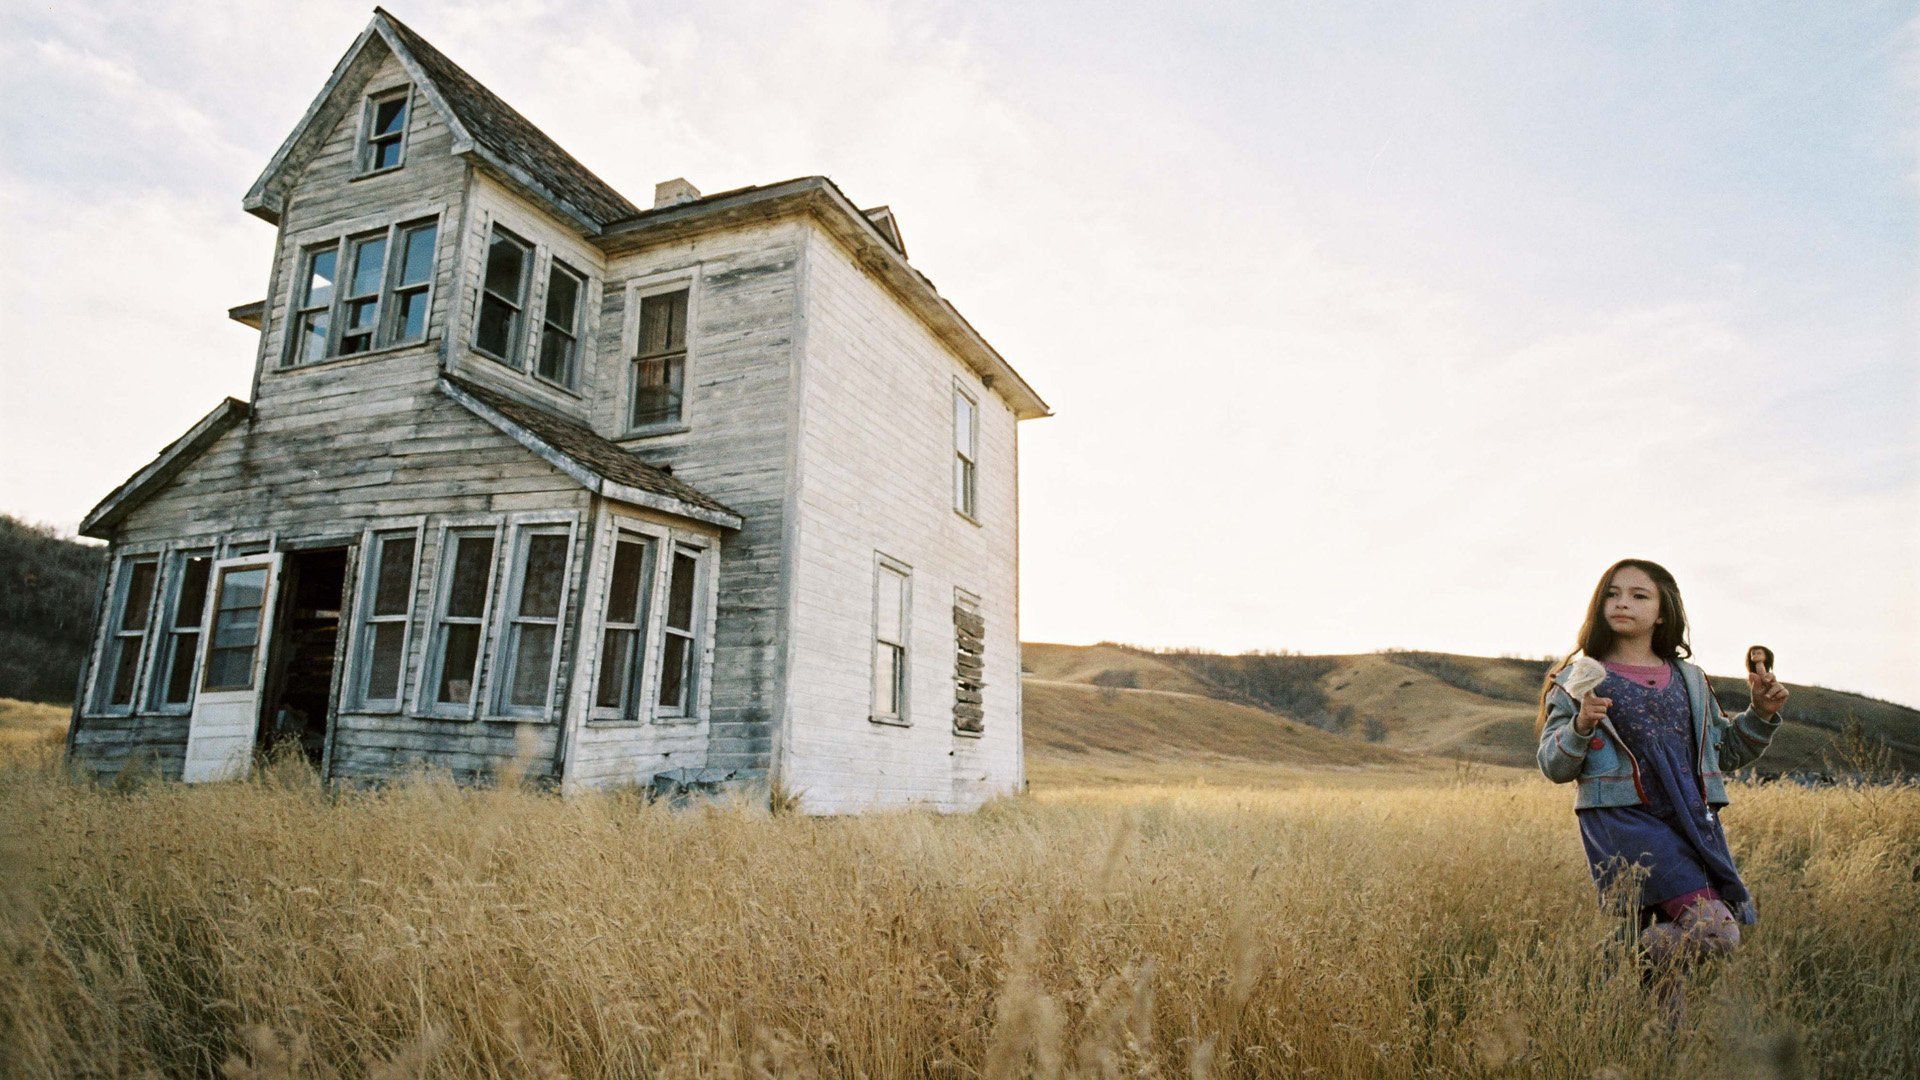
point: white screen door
(233, 664)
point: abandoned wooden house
(719, 489)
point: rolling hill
(1119, 700)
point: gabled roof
(509, 138)
(599, 464)
(175, 457)
(482, 125)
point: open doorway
(300, 661)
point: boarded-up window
(180, 649)
(386, 605)
(126, 633)
(624, 628)
(660, 364)
(466, 579)
(679, 634)
(891, 617)
(533, 621)
(969, 663)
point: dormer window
(385, 144)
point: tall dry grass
(273, 929)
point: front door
(226, 711)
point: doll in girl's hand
(1768, 694)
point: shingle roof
(597, 455)
(495, 125)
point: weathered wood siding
(329, 202)
(608, 752)
(875, 467)
(491, 202)
(736, 447)
(386, 450)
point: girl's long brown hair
(1597, 638)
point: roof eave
(580, 472)
(101, 520)
(871, 248)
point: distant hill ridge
(1425, 703)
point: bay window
(530, 644)
(386, 606)
(466, 579)
(180, 645)
(624, 628)
(679, 652)
(127, 619)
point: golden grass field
(1331, 921)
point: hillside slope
(1436, 704)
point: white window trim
(364, 143)
(357, 664)
(581, 323)
(174, 570)
(508, 591)
(427, 680)
(661, 538)
(700, 668)
(881, 564)
(689, 278)
(341, 238)
(514, 359)
(972, 513)
(109, 629)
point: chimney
(674, 192)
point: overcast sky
(1366, 325)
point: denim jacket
(1609, 774)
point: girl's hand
(1769, 694)
(1593, 709)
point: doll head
(1760, 659)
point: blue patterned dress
(1674, 833)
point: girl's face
(1633, 603)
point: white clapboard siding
(876, 473)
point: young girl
(1649, 748)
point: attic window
(385, 145)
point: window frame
(636, 705)
(506, 635)
(693, 691)
(966, 464)
(884, 564)
(350, 248)
(426, 684)
(108, 642)
(636, 292)
(394, 289)
(343, 245)
(360, 667)
(575, 334)
(262, 632)
(167, 639)
(516, 330)
(365, 152)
